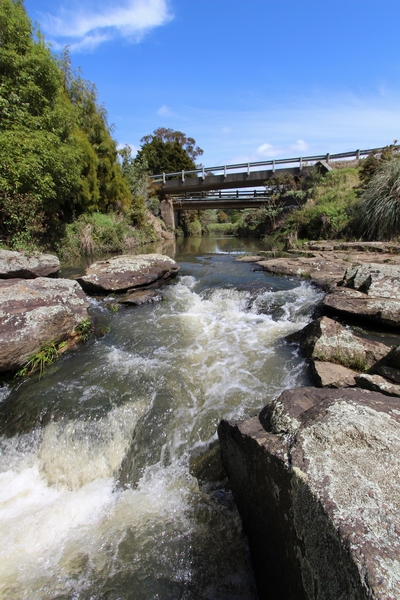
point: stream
(111, 485)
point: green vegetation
(38, 361)
(168, 151)
(58, 160)
(379, 206)
(360, 202)
(99, 233)
(84, 328)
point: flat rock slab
(377, 383)
(141, 297)
(315, 479)
(126, 272)
(355, 304)
(34, 312)
(327, 374)
(322, 269)
(18, 264)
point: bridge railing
(301, 161)
(221, 194)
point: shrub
(379, 206)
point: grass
(39, 360)
(379, 206)
(98, 233)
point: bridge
(204, 188)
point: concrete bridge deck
(246, 174)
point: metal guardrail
(221, 194)
(301, 161)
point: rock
(315, 479)
(18, 264)
(377, 383)
(389, 373)
(323, 270)
(326, 374)
(328, 341)
(249, 259)
(370, 291)
(34, 312)
(126, 272)
(141, 297)
(381, 281)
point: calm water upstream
(110, 487)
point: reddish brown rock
(326, 374)
(126, 272)
(34, 312)
(141, 297)
(18, 264)
(315, 479)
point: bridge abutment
(168, 213)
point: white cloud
(300, 146)
(85, 28)
(165, 111)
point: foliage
(57, 156)
(84, 328)
(98, 233)
(22, 221)
(370, 165)
(169, 135)
(142, 188)
(378, 214)
(38, 361)
(329, 210)
(168, 151)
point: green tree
(168, 151)
(56, 148)
(169, 135)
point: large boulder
(327, 340)
(370, 291)
(34, 312)
(315, 478)
(127, 272)
(18, 264)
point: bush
(379, 206)
(101, 233)
(329, 209)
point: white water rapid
(110, 484)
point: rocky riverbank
(315, 475)
(43, 313)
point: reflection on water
(110, 480)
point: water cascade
(110, 480)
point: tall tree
(168, 151)
(56, 148)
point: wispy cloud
(83, 29)
(165, 111)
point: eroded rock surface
(370, 291)
(315, 479)
(34, 312)
(126, 272)
(327, 340)
(327, 374)
(17, 264)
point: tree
(169, 135)
(168, 151)
(56, 148)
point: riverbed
(110, 481)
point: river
(110, 480)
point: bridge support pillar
(167, 213)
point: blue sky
(249, 81)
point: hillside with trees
(61, 177)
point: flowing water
(110, 480)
